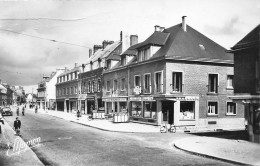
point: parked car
(6, 111)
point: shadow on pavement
(237, 135)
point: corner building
(177, 75)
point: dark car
(6, 111)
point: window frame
(161, 86)
(209, 83)
(108, 86)
(232, 86)
(123, 88)
(140, 82)
(181, 84)
(212, 114)
(150, 83)
(228, 113)
(115, 85)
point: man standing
(17, 126)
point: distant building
(31, 98)
(46, 92)
(247, 80)
(3, 95)
(177, 75)
(67, 90)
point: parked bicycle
(168, 128)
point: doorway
(168, 111)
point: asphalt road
(66, 143)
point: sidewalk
(9, 157)
(104, 124)
(235, 151)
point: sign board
(114, 99)
(137, 90)
(188, 98)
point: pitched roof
(114, 57)
(132, 50)
(251, 39)
(157, 39)
(103, 53)
(192, 45)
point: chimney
(90, 52)
(121, 35)
(156, 28)
(97, 47)
(106, 42)
(162, 29)
(184, 23)
(133, 39)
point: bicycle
(168, 128)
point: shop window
(213, 83)
(109, 107)
(230, 83)
(256, 120)
(187, 110)
(136, 108)
(123, 84)
(158, 82)
(147, 83)
(231, 108)
(123, 106)
(176, 82)
(212, 108)
(137, 81)
(150, 109)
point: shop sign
(147, 98)
(137, 90)
(114, 99)
(135, 99)
(188, 98)
(82, 96)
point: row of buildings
(177, 75)
(11, 95)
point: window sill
(231, 114)
(187, 119)
(230, 88)
(212, 115)
(212, 93)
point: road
(66, 143)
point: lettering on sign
(188, 98)
(135, 98)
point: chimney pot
(184, 23)
(156, 28)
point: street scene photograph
(129, 82)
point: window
(158, 82)
(123, 60)
(187, 110)
(137, 81)
(93, 86)
(213, 83)
(108, 85)
(231, 108)
(99, 85)
(176, 82)
(71, 90)
(230, 83)
(67, 77)
(64, 91)
(147, 83)
(123, 84)
(136, 109)
(115, 85)
(150, 109)
(76, 89)
(68, 91)
(108, 64)
(146, 54)
(140, 55)
(89, 87)
(212, 108)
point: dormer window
(144, 54)
(108, 64)
(123, 60)
(99, 62)
(91, 65)
(147, 53)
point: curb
(209, 156)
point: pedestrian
(17, 111)
(1, 121)
(17, 126)
(78, 114)
(23, 111)
(36, 108)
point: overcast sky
(25, 58)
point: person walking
(17, 111)
(17, 126)
(23, 111)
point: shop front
(115, 104)
(179, 110)
(143, 109)
(60, 105)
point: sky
(38, 37)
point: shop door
(168, 111)
(67, 105)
